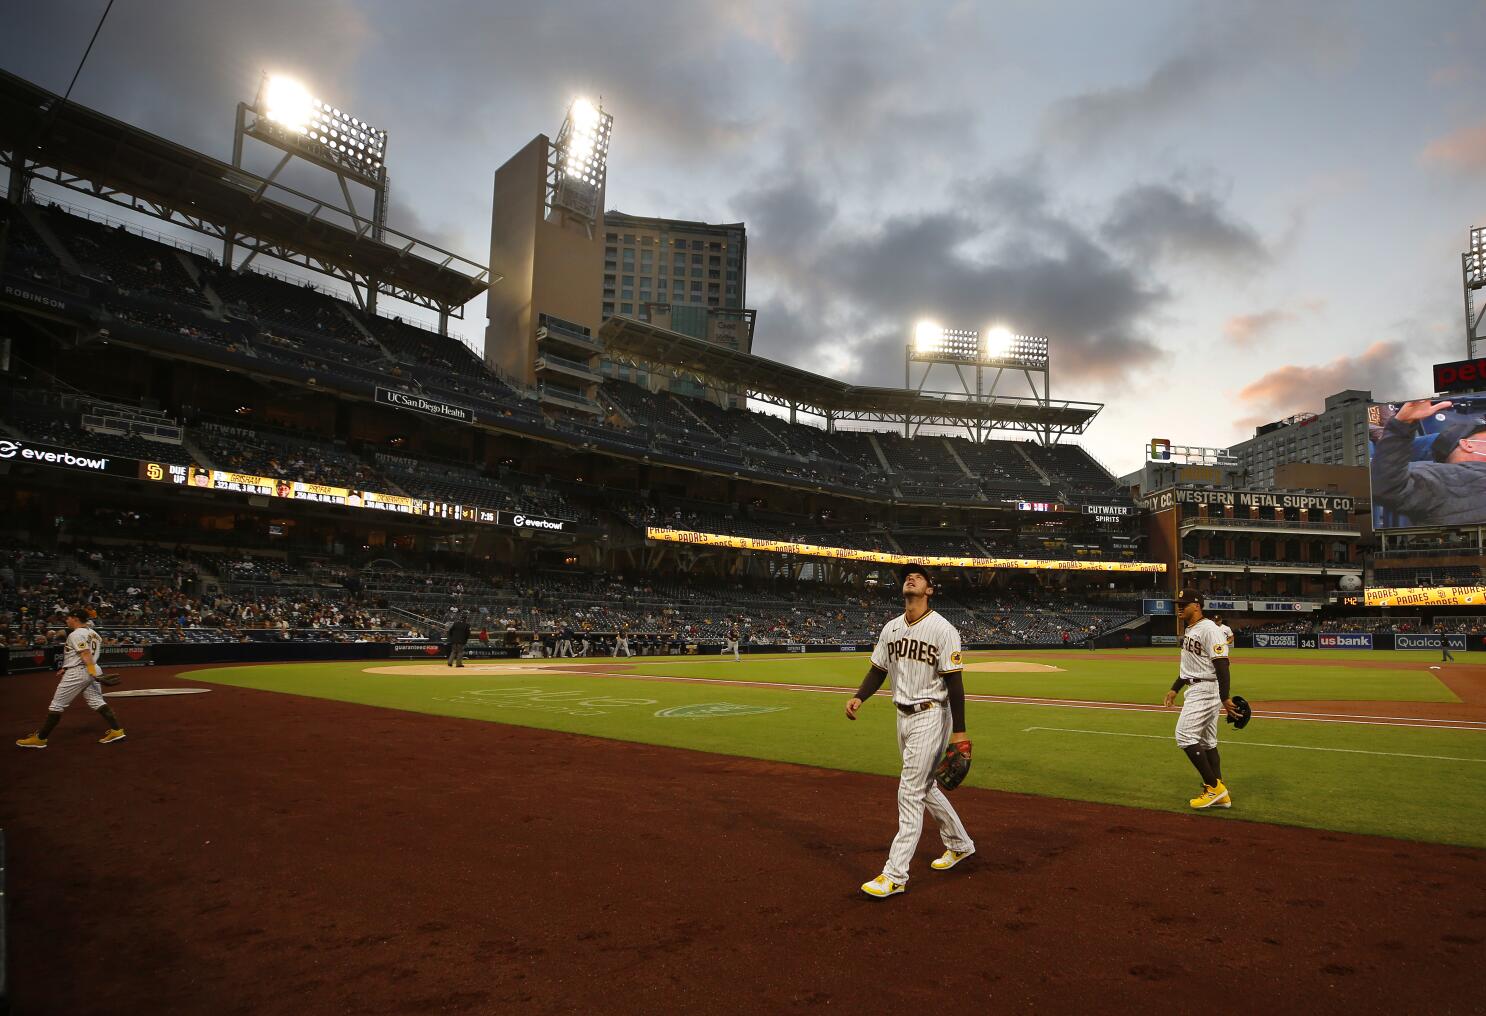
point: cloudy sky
(1218, 212)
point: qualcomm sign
(16, 450)
(1428, 642)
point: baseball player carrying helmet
(79, 673)
(1204, 674)
(920, 650)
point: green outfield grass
(1106, 676)
(1406, 782)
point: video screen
(1427, 459)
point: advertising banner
(437, 650)
(124, 656)
(1163, 499)
(1344, 640)
(68, 458)
(521, 520)
(884, 557)
(1308, 642)
(1158, 608)
(427, 406)
(1165, 640)
(1282, 606)
(1277, 640)
(19, 661)
(1460, 375)
(1430, 641)
(1426, 596)
(1225, 605)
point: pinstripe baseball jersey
(1202, 643)
(78, 640)
(917, 656)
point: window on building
(696, 245)
(715, 245)
(713, 288)
(609, 280)
(714, 275)
(714, 261)
(696, 260)
(611, 237)
(680, 244)
(611, 252)
(629, 238)
(608, 308)
(608, 294)
(629, 280)
(626, 294)
(626, 308)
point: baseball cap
(1188, 596)
(915, 569)
(1450, 435)
(81, 613)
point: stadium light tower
(1473, 281)
(997, 349)
(287, 116)
(578, 164)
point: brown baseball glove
(955, 765)
(108, 679)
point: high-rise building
(672, 261)
(688, 277)
(1337, 437)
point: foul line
(1262, 744)
(1417, 722)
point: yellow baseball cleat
(1211, 797)
(112, 736)
(949, 859)
(31, 742)
(882, 887)
(1227, 801)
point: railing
(108, 220)
(1224, 522)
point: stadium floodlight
(928, 337)
(997, 342)
(288, 102)
(933, 342)
(290, 117)
(580, 159)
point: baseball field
(399, 836)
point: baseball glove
(108, 679)
(1244, 713)
(955, 765)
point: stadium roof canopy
(88, 152)
(719, 367)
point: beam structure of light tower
(578, 164)
(1473, 281)
(983, 362)
(287, 117)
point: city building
(1337, 436)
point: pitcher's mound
(1011, 667)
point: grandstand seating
(296, 330)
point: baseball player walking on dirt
(1205, 676)
(79, 673)
(920, 651)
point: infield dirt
(250, 852)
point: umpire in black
(459, 634)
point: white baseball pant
(922, 739)
(74, 680)
(1197, 726)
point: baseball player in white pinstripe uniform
(920, 650)
(79, 673)
(1205, 676)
